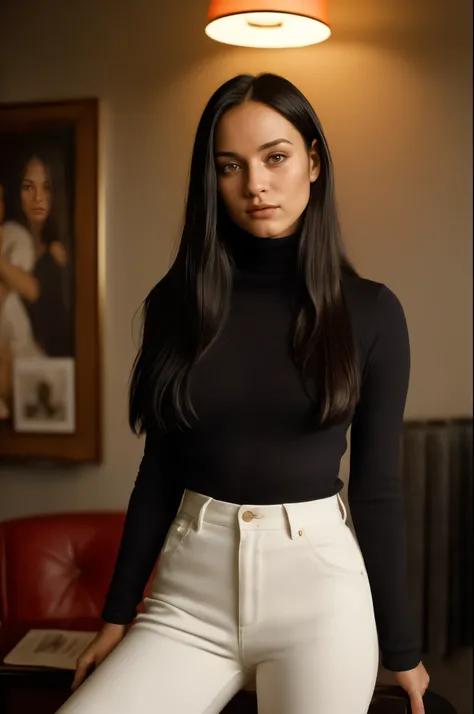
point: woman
(260, 347)
(42, 290)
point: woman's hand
(415, 683)
(58, 252)
(101, 646)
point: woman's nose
(256, 181)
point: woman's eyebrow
(263, 147)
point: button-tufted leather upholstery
(57, 566)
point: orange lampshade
(268, 23)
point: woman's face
(262, 159)
(36, 193)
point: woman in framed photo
(32, 206)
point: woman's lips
(263, 212)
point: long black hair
(185, 312)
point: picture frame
(44, 395)
(49, 281)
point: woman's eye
(277, 158)
(228, 168)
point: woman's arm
(155, 498)
(153, 505)
(375, 489)
(17, 280)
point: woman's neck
(277, 256)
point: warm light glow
(268, 23)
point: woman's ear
(314, 162)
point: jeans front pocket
(178, 531)
(335, 549)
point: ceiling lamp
(268, 23)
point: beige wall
(393, 90)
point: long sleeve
(153, 504)
(375, 487)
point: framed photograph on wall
(49, 282)
(44, 395)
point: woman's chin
(37, 223)
(265, 227)
(270, 229)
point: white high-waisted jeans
(276, 593)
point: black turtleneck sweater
(252, 445)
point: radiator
(436, 464)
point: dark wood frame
(84, 445)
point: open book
(49, 648)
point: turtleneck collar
(274, 256)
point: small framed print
(44, 390)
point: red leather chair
(55, 571)
(57, 567)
